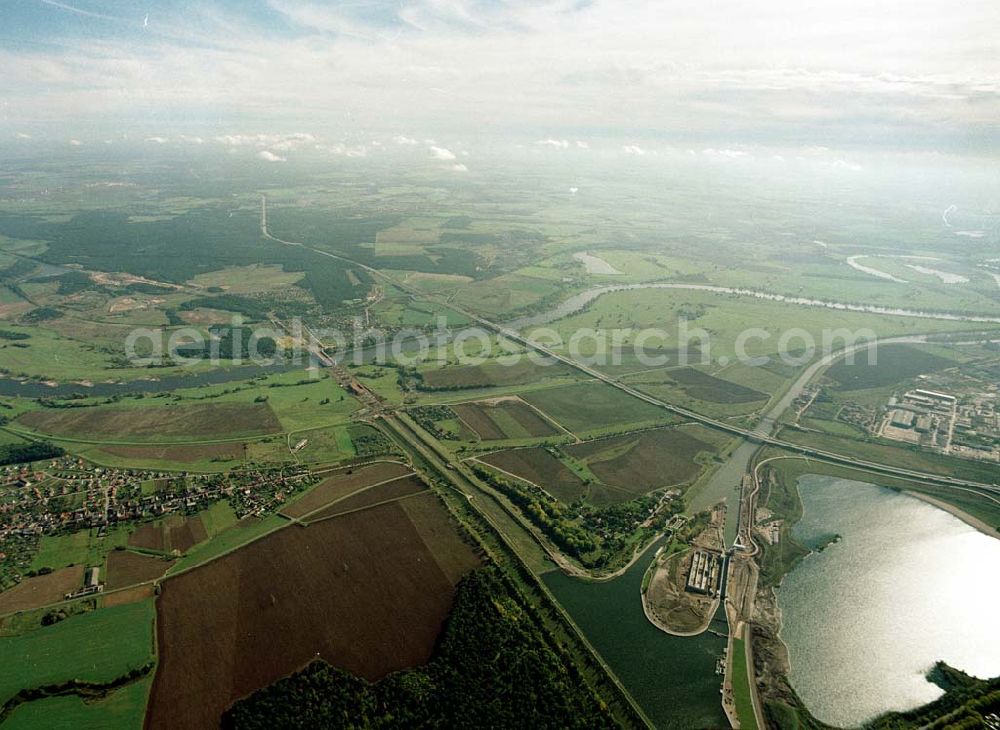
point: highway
(760, 434)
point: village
(69, 494)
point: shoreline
(958, 513)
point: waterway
(906, 585)
(671, 677)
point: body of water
(671, 677)
(906, 585)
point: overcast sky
(920, 74)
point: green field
(98, 646)
(123, 709)
(741, 687)
(84, 547)
(589, 407)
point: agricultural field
(594, 407)
(96, 646)
(703, 386)
(342, 483)
(123, 709)
(396, 489)
(492, 373)
(538, 466)
(41, 590)
(261, 612)
(199, 457)
(174, 534)
(636, 463)
(503, 419)
(126, 568)
(201, 420)
(894, 363)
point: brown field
(196, 419)
(130, 595)
(509, 418)
(540, 467)
(173, 533)
(126, 568)
(364, 591)
(42, 590)
(402, 487)
(343, 483)
(639, 462)
(186, 454)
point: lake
(906, 585)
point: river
(907, 585)
(577, 302)
(671, 677)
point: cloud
(22, 135)
(441, 153)
(725, 153)
(922, 77)
(343, 150)
(75, 142)
(582, 145)
(632, 149)
(192, 140)
(401, 140)
(458, 167)
(157, 140)
(269, 156)
(558, 143)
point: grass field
(84, 547)
(509, 418)
(366, 591)
(123, 709)
(741, 687)
(587, 407)
(538, 466)
(97, 646)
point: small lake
(671, 677)
(907, 585)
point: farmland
(97, 646)
(507, 418)
(716, 390)
(895, 363)
(586, 407)
(125, 568)
(636, 463)
(343, 483)
(492, 373)
(168, 422)
(538, 466)
(396, 489)
(363, 591)
(41, 590)
(173, 534)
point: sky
(713, 74)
